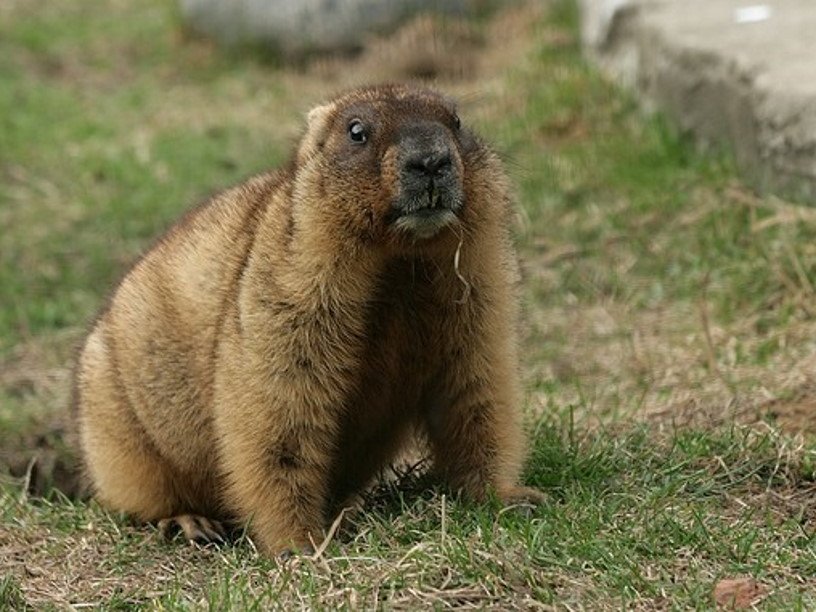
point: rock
(295, 27)
(728, 71)
(738, 593)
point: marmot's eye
(357, 131)
(457, 123)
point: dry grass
(97, 560)
(677, 364)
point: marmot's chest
(397, 380)
(405, 339)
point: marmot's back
(160, 328)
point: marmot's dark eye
(457, 123)
(357, 131)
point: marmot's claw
(520, 495)
(288, 554)
(196, 529)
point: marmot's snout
(433, 163)
(430, 180)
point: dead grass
(98, 560)
(677, 363)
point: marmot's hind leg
(125, 470)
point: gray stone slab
(299, 26)
(730, 71)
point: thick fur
(280, 344)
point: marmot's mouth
(425, 222)
(424, 213)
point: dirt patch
(35, 382)
(467, 59)
(79, 569)
(795, 415)
(425, 48)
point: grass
(668, 312)
(633, 522)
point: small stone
(738, 593)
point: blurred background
(662, 153)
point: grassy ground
(669, 312)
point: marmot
(282, 342)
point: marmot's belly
(379, 422)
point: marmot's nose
(434, 163)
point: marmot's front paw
(196, 529)
(521, 495)
(287, 554)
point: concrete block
(730, 71)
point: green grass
(633, 519)
(669, 324)
(98, 154)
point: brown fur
(279, 345)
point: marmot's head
(390, 165)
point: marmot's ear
(317, 121)
(319, 114)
